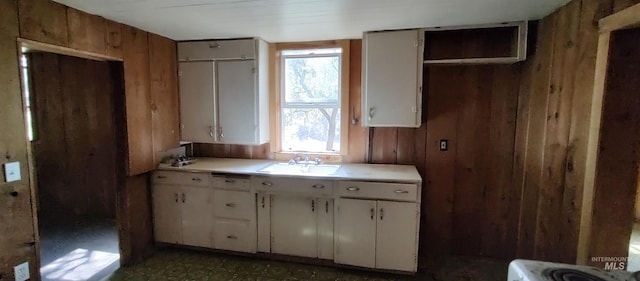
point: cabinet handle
(313, 205)
(231, 205)
(221, 133)
(326, 206)
(176, 196)
(211, 131)
(401, 191)
(266, 183)
(353, 188)
(318, 186)
(381, 213)
(233, 237)
(161, 177)
(262, 202)
(229, 181)
(184, 198)
(196, 179)
(371, 110)
(373, 211)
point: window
(310, 100)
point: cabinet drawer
(181, 178)
(231, 183)
(378, 190)
(293, 185)
(217, 49)
(234, 204)
(234, 235)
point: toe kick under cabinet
(355, 223)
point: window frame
(276, 97)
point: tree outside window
(310, 100)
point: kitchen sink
(299, 169)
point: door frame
(625, 19)
(25, 45)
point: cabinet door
(167, 214)
(197, 102)
(397, 233)
(325, 228)
(355, 233)
(237, 102)
(264, 222)
(197, 216)
(392, 79)
(293, 226)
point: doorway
(73, 129)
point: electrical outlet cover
(12, 171)
(21, 271)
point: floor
(74, 248)
(633, 263)
(182, 264)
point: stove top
(529, 270)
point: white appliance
(529, 270)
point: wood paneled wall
(45, 21)
(74, 148)
(553, 128)
(16, 212)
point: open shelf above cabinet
(504, 43)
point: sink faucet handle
(317, 160)
(306, 157)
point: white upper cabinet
(217, 49)
(224, 92)
(392, 78)
(197, 101)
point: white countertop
(367, 172)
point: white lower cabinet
(377, 234)
(234, 210)
(182, 209)
(368, 224)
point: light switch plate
(21, 271)
(12, 171)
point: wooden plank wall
(619, 150)
(16, 212)
(48, 22)
(551, 146)
(73, 147)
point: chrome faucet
(298, 160)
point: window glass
(310, 100)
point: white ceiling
(305, 20)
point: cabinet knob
(231, 205)
(401, 191)
(267, 183)
(232, 237)
(320, 186)
(353, 188)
